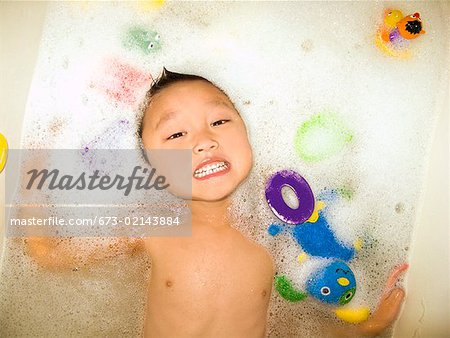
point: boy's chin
(206, 196)
(216, 193)
(210, 198)
(211, 195)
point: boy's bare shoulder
(158, 245)
(258, 251)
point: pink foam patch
(122, 82)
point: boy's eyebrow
(224, 103)
(220, 102)
(171, 114)
(166, 117)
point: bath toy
(148, 5)
(332, 281)
(391, 17)
(3, 151)
(399, 51)
(394, 35)
(410, 27)
(302, 257)
(146, 41)
(320, 137)
(302, 190)
(307, 235)
(315, 215)
(318, 240)
(333, 284)
(353, 316)
(287, 291)
(358, 244)
(121, 82)
(305, 231)
(331, 195)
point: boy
(216, 283)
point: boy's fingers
(389, 307)
(393, 278)
(385, 314)
(395, 298)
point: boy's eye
(176, 135)
(219, 122)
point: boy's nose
(205, 145)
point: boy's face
(195, 115)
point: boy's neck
(212, 214)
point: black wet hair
(166, 79)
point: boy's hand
(385, 314)
(389, 307)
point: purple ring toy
(302, 190)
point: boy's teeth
(209, 169)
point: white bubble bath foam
(320, 95)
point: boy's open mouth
(211, 168)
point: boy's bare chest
(207, 267)
(208, 286)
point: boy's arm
(63, 253)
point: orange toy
(410, 27)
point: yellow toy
(3, 151)
(353, 316)
(391, 17)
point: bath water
(317, 96)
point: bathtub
(426, 309)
